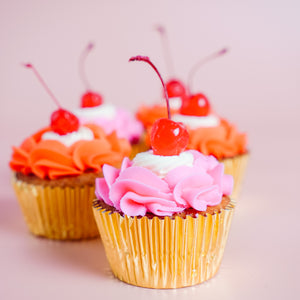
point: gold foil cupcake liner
(236, 167)
(62, 213)
(164, 253)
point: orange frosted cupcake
(213, 135)
(54, 172)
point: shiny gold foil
(164, 253)
(236, 167)
(62, 213)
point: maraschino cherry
(167, 137)
(195, 105)
(175, 88)
(90, 98)
(62, 121)
(198, 104)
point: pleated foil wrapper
(236, 167)
(62, 213)
(164, 253)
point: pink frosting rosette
(125, 125)
(136, 190)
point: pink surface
(256, 86)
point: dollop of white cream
(161, 165)
(175, 102)
(105, 110)
(83, 133)
(195, 122)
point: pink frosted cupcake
(164, 220)
(164, 217)
(109, 117)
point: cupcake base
(61, 212)
(164, 252)
(236, 167)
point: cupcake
(54, 173)
(164, 217)
(109, 117)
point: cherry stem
(147, 60)
(82, 60)
(41, 80)
(202, 62)
(166, 49)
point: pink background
(255, 86)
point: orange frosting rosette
(50, 159)
(222, 141)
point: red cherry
(91, 99)
(175, 88)
(64, 122)
(195, 105)
(168, 137)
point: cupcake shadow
(11, 219)
(85, 256)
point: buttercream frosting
(161, 165)
(135, 190)
(222, 141)
(175, 102)
(51, 159)
(112, 119)
(83, 133)
(194, 122)
(104, 110)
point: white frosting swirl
(195, 122)
(175, 102)
(161, 165)
(83, 133)
(104, 110)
